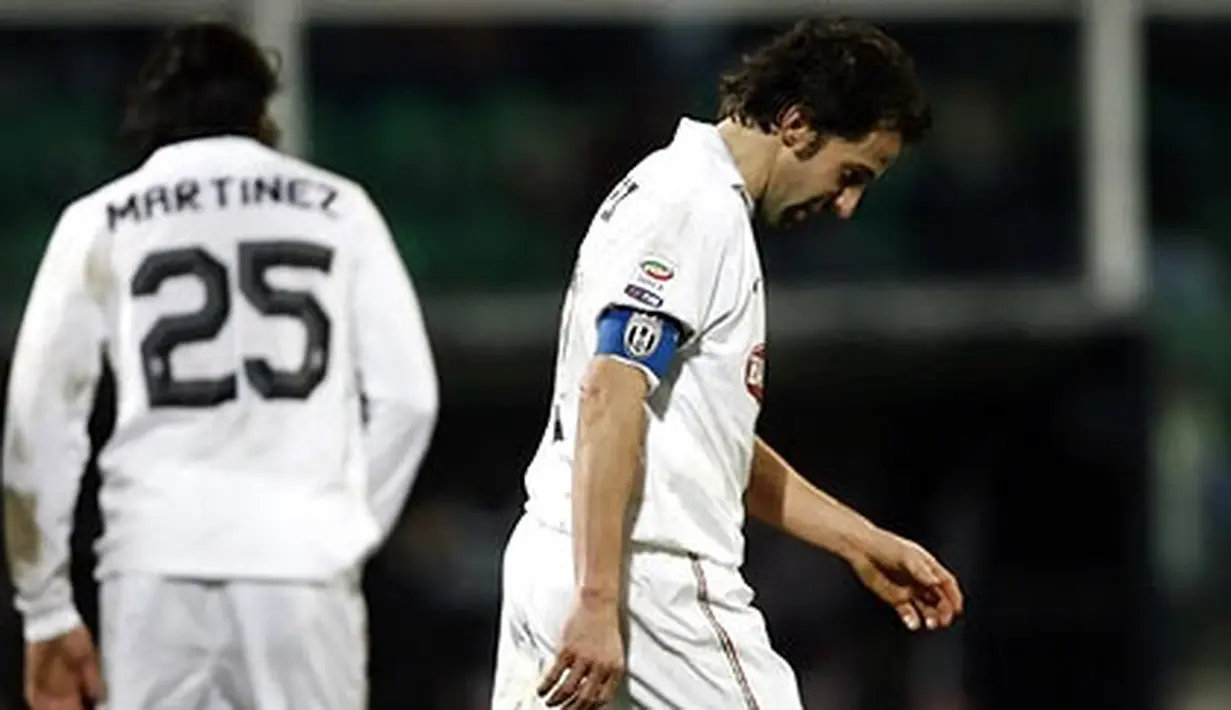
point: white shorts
(693, 638)
(179, 644)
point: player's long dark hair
(204, 79)
(848, 77)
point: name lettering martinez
(221, 193)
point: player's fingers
(945, 611)
(586, 697)
(937, 605)
(576, 702)
(553, 675)
(58, 703)
(937, 612)
(952, 591)
(571, 683)
(909, 615)
(40, 698)
(37, 697)
(601, 684)
(611, 686)
(945, 596)
(92, 680)
(30, 684)
(611, 681)
(921, 570)
(52, 679)
(928, 613)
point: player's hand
(909, 579)
(590, 664)
(63, 672)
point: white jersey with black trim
(244, 300)
(673, 238)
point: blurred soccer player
(622, 580)
(246, 301)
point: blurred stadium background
(1019, 352)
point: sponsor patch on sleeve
(643, 295)
(754, 373)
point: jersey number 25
(203, 325)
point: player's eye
(856, 177)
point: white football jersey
(674, 238)
(249, 305)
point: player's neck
(753, 152)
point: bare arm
(900, 572)
(607, 466)
(780, 496)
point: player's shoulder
(119, 184)
(683, 180)
(89, 210)
(352, 196)
(344, 183)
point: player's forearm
(397, 437)
(607, 467)
(397, 373)
(780, 496)
(38, 565)
(40, 493)
(56, 366)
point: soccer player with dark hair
(622, 582)
(276, 394)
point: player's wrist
(598, 596)
(855, 539)
(46, 625)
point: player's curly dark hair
(848, 77)
(203, 79)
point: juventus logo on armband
(642, 335)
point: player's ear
(269, 132)
(793, 129)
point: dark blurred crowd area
(1076, 480)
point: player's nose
(845, 203)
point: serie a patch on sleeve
(644, 338)
(648, 281)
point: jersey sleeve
(396, 373)
(56, 365)
(671, 268)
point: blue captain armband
(646, 339)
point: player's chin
(789, 218)
(795, 216)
